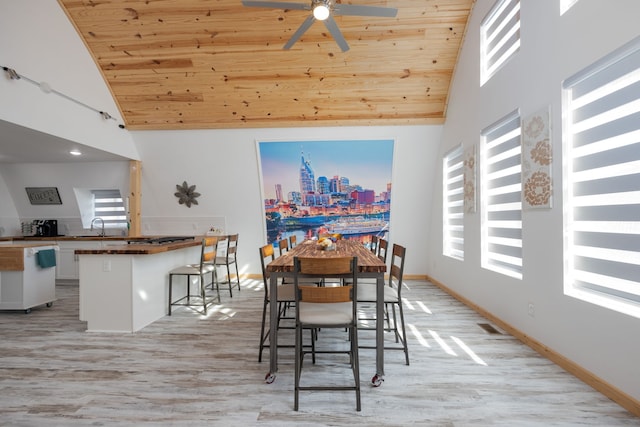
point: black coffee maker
(46, 227)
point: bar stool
(392, 299)
(199, 271)
(228, 260)
(324, 308)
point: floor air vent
(488, 328)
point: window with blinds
(109, 205)
(501, 201)
(602, 196)
(453, 203)
(499, 37)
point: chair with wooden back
(283, 246)
(392, 299)
(373, 244)
(284, 296)
(228, 260)
(326, 307)
(381, 249)
(199, 271)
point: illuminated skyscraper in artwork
(323, 185)
(307, 177)
(279, 198)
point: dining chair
(196, 271)
(382, 247)
(293, 241)
(373, 244)
(283, 246)
(284, 297)
(228, 260)
(392, 299)
(326, 307)
(381, 252)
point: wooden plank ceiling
(204, 64)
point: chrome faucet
(101, 220)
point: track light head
(105, 115)
(11, 73)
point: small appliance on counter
(45, 227)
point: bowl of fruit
(326, 244)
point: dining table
(369, 266)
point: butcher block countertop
(12, 255)
(132, 248)
(87, 238)
(139, 249)
(22, 245)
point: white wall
(8, 212)
(64, 176)
(552, 49)
(223, 164)
(38, 41)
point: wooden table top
(368, 262)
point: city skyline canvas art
(326, 187)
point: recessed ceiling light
(75, 153)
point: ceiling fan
(322, 11)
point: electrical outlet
(106, 265)
(531, 309)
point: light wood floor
(192, 371)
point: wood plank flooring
(190, 370)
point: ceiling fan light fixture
(321, 10)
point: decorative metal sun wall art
(186, 194)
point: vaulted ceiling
(204, 64)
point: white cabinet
(24, 282)
(67, 262)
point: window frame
(453, 203)
(501, 185)
(601, 136)
(109, 205)
(495, 32)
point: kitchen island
(27, 276)
(124, 288)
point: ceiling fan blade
(356, 10)
(300, 31)
(331, 25)
(276, 4)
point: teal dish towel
(46, 258)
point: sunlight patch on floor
(469, 352)
(423, 307)
(408, 304)
(442, 343)
(416, 333)
(219, 309)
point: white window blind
(453, 203)
(602, 198)
(109, 205)
(501, 198)
(499, 36)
